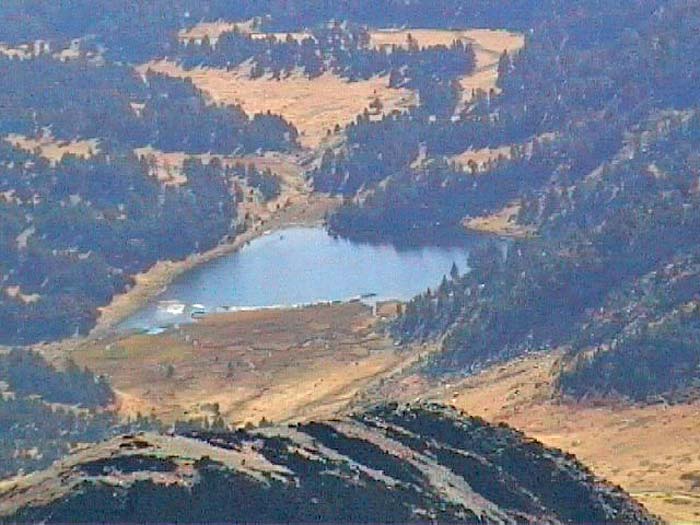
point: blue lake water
(300, 266)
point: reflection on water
(300, 266)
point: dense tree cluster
(432, 200)
(265, 182)
(45, 412)
(643, 343)
(113, 103)
(73, 233)
(587, 87)
(35, 434)
(613, 276)
(614, 196)
(27, 373)
(344, 49)
(137, 31)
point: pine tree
(454, 272)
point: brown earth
(502, 223)
(313, 106)
(52, 149)
(281, 365)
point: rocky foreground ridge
(389, 464)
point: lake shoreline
(311, 211)
(295, 267)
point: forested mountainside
(388, 465)
(133, 132)
(612, 276)
(73, 233)
(113, 103)
(46, 412)
(76, 229)
(581, 90)
(144, 30)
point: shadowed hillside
(389, 464)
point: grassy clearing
(488, 45)
(314, 106)
(481, 158)
(480, 162)
(52, 149)
(502, 223)
(167, 166)
(386, 38)
(278, 364)
(22, 52)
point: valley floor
(315, 362)
(297, 203)
(294, 365)
(277, 365)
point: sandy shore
(301, 210)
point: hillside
(555, 141)
(46, 412)
(611, 276)
(81, 164)
(390, 464)
(588, 75)
(82, 211)
(648, 449)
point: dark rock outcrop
(390, 464)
